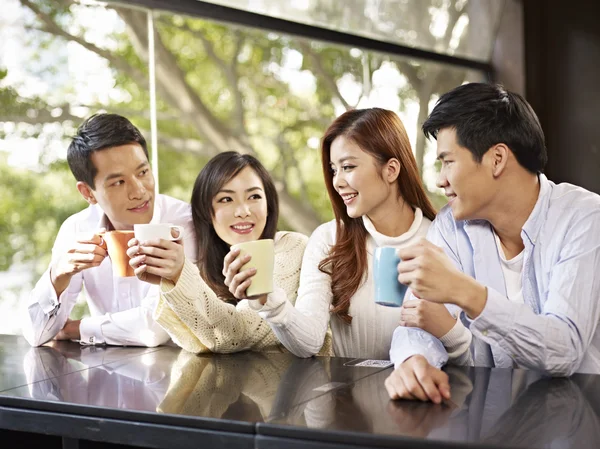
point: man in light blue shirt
(519, 254)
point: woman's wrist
(177, 275)
(447, 326)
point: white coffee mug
(263, 259)
(153, 231)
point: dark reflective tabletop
(317, 399)
(489, 407)
(243, 387)
(18, 359)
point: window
(219, 87)
(464, 28)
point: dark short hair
(484, 115)
(211, 248)
(97, 133)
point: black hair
(484, 115)
(97, 133)
(211, 248)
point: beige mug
(263, 259)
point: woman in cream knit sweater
(378, 200)
(234, 200)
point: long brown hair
(211, 248)
(381, 134)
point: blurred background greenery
(219, 87)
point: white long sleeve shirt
(120, 307)
(302, 328)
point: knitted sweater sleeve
(199, 321)
(458, 343)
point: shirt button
(484, 333)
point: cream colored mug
(263, 259)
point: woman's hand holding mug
(236, 279)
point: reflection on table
(281, 396)
(238, 387)
(112, 377)
(247, 386)
(251, 386)
(512, 408)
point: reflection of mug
(154, 231)
(388, 291)
(263, 258)
(116, 244)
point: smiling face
(469, 185)
(357, 178)
(240, 208)
(124, 185)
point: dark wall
(562, 60)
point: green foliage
(178, 172)
(237, 94)
(32, 208)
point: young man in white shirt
(109, 159)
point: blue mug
(388, 291)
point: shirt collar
(534, 223)
(157, 215)
(103, 222)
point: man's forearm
(60, 282)
(469, 295)
(70, 331)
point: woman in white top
(234, 200)
(378, 200)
